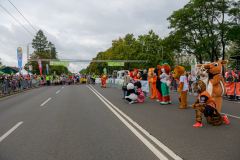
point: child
(139, 93)
(206, 105)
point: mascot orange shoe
(152, 79)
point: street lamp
(28, 56)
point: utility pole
(28, 57)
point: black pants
(128, 99)
(48, 83)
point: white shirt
(185, 86)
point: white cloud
(81, 28)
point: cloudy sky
(80, 28)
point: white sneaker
(131, 102)
(157, 100)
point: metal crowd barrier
(11, 87)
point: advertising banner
(19, 58)
(230, 88)
(193, 67)
(40, 66)
(97, 80)
(47, 68)
(145, 86)
(59, 63)
(238, 89)
(119, 82)
(115, 63)
(109, 81)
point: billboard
(59, 63)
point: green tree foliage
(82, 71)
(44, 50)
(233, 50)
(1, 65)
(146, 47)
(234, 31)
(201, 28)
(40, 43)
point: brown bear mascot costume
(179, 73)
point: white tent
(23, 72)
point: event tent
(24, 72)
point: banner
(145, 86)
(47, 68)
(98, 80)
(115, 63)
(30, 67)
(238, 89)
(230, 88)
(19, 58)
(59, 63)
(109, 81)
(119, 82)
(40, 66)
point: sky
(79, 29)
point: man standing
(93, 78)
(48, 80)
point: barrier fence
(10, 87)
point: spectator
(234, 74)
(194, 77)
(144, 75)
(230, 79)
(226, 73)
(126, 79)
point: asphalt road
(90, 122)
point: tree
(234, 31)
(1, 65)
(82, 71)
(233, 50)
(201, 28)
(40, 43)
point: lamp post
(28, 56)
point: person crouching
(131, 96)
(206, 105)
(139, 93)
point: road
(90, 122)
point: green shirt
(47, 78)
(51, 78)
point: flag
(40, 66)
(19, 58)
(47, 68)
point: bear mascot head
(178, 71)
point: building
(9, 70)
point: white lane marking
(144, 140)
(156, 141)
(230, 115)
(10, 131)
(45, 102)
(57, 91)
